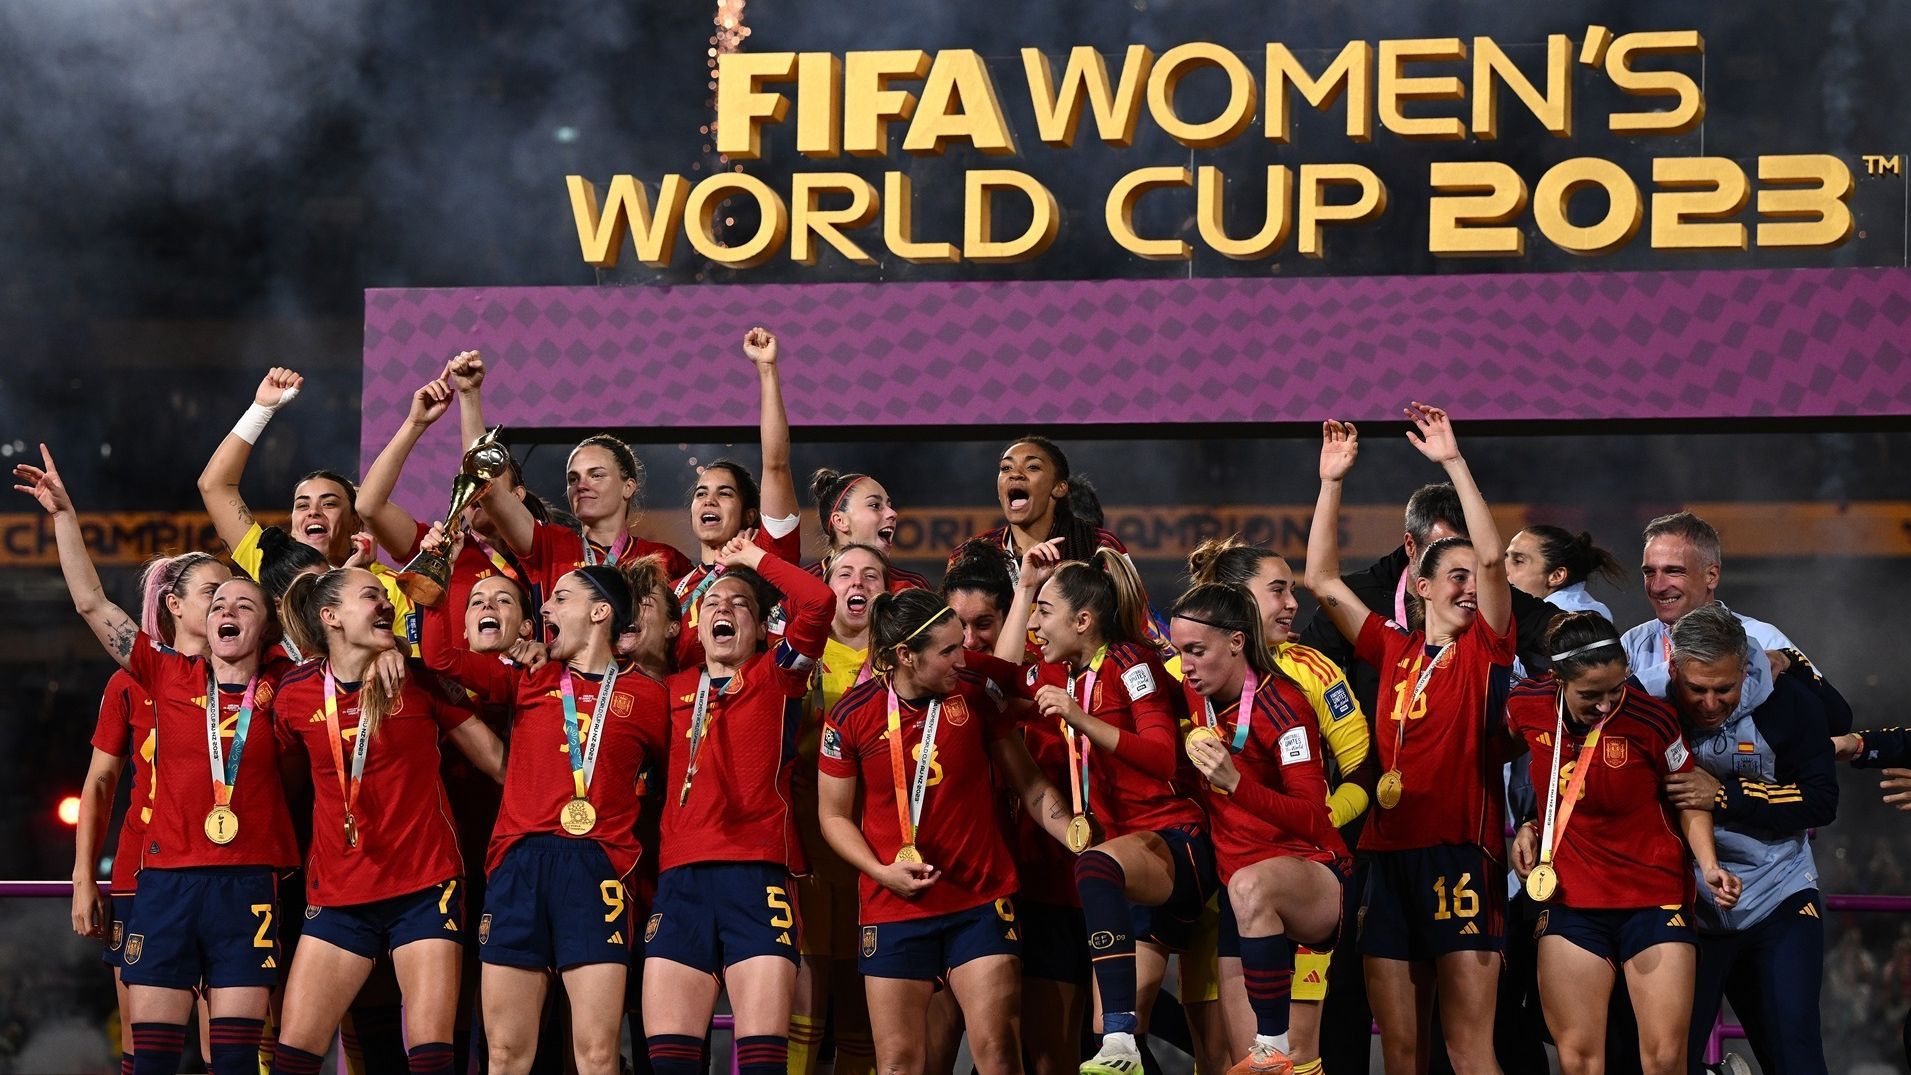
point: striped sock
(1099, 879)
(289, 1061)
(126, 1064)
(1312, 1067)
(1267, 963)
(431, 1058)
(806, 1043)
(157, 1047)
(675, 1054)
(763, 1054)
(235, 1045)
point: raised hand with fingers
(278, 388)
(43, 484)
(741, 551)
(429, 403)
(1339, 445)
(759, 346)
(1434, 438)
(465, 371)
(1040, 562)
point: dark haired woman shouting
(1031, 485)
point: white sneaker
(1113, 1059)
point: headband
(926, 624)
(849, 482)
(1211, 623)
(1583, 650)
(620, 606)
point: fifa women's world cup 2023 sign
(1426, 90)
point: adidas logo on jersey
(1470, 930)
(616, 937)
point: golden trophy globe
(425, 578)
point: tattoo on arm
(244, 513)
(1329, 600)
(124, 633)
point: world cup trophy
(425, 578)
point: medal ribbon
(1419, 688)
(499, 560)
(909, 797)
(1079, 746)
(699, 723)
(1243, 712)
(225, 770)
(584, 762)
(1554, 832)
(696, 595)
(361, 746)
(611, 557)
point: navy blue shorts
(1616, 935)
(928, 948)
(1172, 924)
(1427, 902)
(372, 929)
(712, 915)
(554, 902)
(119, 910)
(1054, 942)
(218, 925)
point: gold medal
(1542, 882)
(351, 831)
(222, 825)
(1080, 833)
(578, 816)
(1388, 791)
(1202, 734)
(908, 853)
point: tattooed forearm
(123, 635)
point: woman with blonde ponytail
(384, 874)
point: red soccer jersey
(900, 579)
(406, 838)
(182, 797)
(958, 831)
(1146, 784)
(1279, 807)
(739, 807)
(125, 730)
(538, 780)
(689, 589)
(1451, 787)
(475, 797)
(1622, 847)
(557, 551)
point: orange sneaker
(1263, 1060)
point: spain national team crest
(620, 704)
(311, 913)
(263, 696)
(1539, 926)
(135, 947)
(650, 928)
(119, 935)
(869, 941)
(956, 712)
(484, 930)
(397, 705)
(1615, 750)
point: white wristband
(253, 422)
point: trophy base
(424, 591)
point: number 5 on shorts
(781, 917)
(1466, 902)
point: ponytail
(1576, 553)
(165, 576)
(830, 488)
(1110, 591)
(1227, 559)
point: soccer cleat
(1112, 1059)
(1263, 1060)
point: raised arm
(392, 525)
(219, 482)
(465, 374)
(778, 482)
(110, 623)
(1038, 563)
(1339, 445)
(1435, 440)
